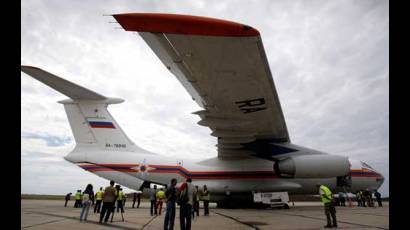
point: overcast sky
(329, 61)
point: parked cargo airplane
(224, 68)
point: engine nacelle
(313, 166)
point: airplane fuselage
(221, 176)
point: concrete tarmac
(50, 214)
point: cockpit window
(364, 165)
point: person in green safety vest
(160, 200)
(98, 197)
(120, 200)
(77, 197)
(326, 198)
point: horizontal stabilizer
(63, 86)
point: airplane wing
(224, 68)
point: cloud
(51, 141)
(329, 61)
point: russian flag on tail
(101, 124)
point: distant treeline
(62, 197)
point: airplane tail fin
(91, 123)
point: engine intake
(312, 166)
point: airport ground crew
(195, 207)
(153, 199)
(98, 198)
(160, 200)
(171, 195)
(120, 200)
(67, 198)
(378, 198)
(205, 198)
(326, 197)
(108, 202)
(77, 197)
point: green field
(42, 197)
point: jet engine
(312, 166)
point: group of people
(104, 201)
(364, 199)
(187, 196)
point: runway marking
(345, 222)
(143, 226)
(233, 218)
(74, 218)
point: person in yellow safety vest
(326, 197)
(98, 197)
(120, 200)
(160, 200)
(77, 197)
(205, 197)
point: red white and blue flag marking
(101, 124)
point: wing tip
(183, 24)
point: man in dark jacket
(153, 199)
(171, 195)
(67, 198)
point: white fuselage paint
(132, 168)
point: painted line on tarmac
(233, 218)
(75, 218)
(146, 224)
(345, 222)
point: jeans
(84, 211)
(153, 207)
(97, 206)
(169, 216)
(185, 216)
(106, 210)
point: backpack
(183, 196)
